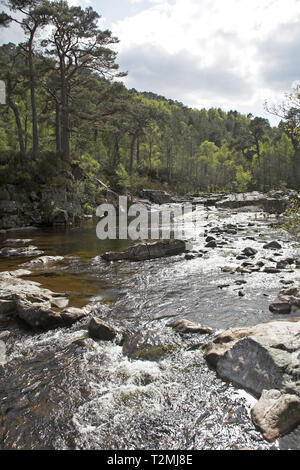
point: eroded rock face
(146, 251)
(35, 305)
(263, 358)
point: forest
(67, 107)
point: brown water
(60, 391)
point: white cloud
(219, 35)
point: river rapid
(63, 390)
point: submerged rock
(147, 251)
(263, 358)
(149, 345)
(186, 326)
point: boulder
(263, 358)
(34, 305)
(98, 329)
(211, 244)
(145, 251)
(280, 308)
(272, 246)
(249, 251)
(276, 413)
(157, 197)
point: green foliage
(292, 226)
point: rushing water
(61, 389)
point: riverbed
(62, 390)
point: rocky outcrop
(39, 308)
(263, 359)
(98, 329)
(145, 251)
(157, 197)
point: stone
(280, 308)
(276, 414)
(22, 252)
(186, 326)
(249, 251)
(211, 244)
(263, 358)
(34, 304)
(272, 246)
(269, 204)
(271, 270)
(155, 196)
(210, 239)
(147, 251)
(98, 329)
(43, 260)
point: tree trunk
(133, 140)
(19, 127)
(65, 135)
(35, 139)
(57, 128)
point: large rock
(146, 251)
(157, 197)
(263, 358)
(39, 308)
(22, 252)
(149, 344)
(98, 329)
(43, 260)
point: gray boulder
(263, 358)
(98, 329)
(145, 251)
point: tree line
(66, 105)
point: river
(62, 390)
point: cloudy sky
(233, 54)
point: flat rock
(186, 326)
(145, 251)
